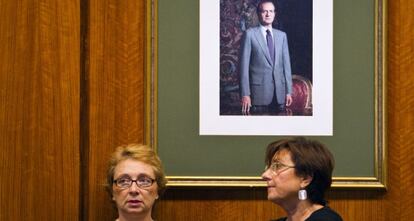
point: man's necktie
(270, 45)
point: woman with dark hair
(298, 173)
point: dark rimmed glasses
(278, 167)
(126, 182)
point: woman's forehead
(133, 168)
(282, 155)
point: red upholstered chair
(301, 96)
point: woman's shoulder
(280, 219)
(324, 214)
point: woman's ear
(306, 181)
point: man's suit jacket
(257, 71)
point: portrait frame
(152, 121)
(319, 58)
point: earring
(302, 194)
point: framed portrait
(193, 107)
(307, 74)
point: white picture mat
(320, 123)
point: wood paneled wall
(114, 77)
(39, 110)
(72, 88)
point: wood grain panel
(204, 204)
(403, 55)
(395, 141)
(207, 204)
(39, 110)
(114, 81)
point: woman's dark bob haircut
(311, 159)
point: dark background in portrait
(292, 16)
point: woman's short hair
(140, 153)
(311, 158)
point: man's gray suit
(260, 78)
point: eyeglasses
(278, 167)
(126, 182)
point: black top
(323, 214)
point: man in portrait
(265, 70)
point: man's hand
(246, 103)
(289, 100)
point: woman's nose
(134, 189)
(265, 175)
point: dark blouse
(323, 214)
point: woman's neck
(135, 217)
(301, 211)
